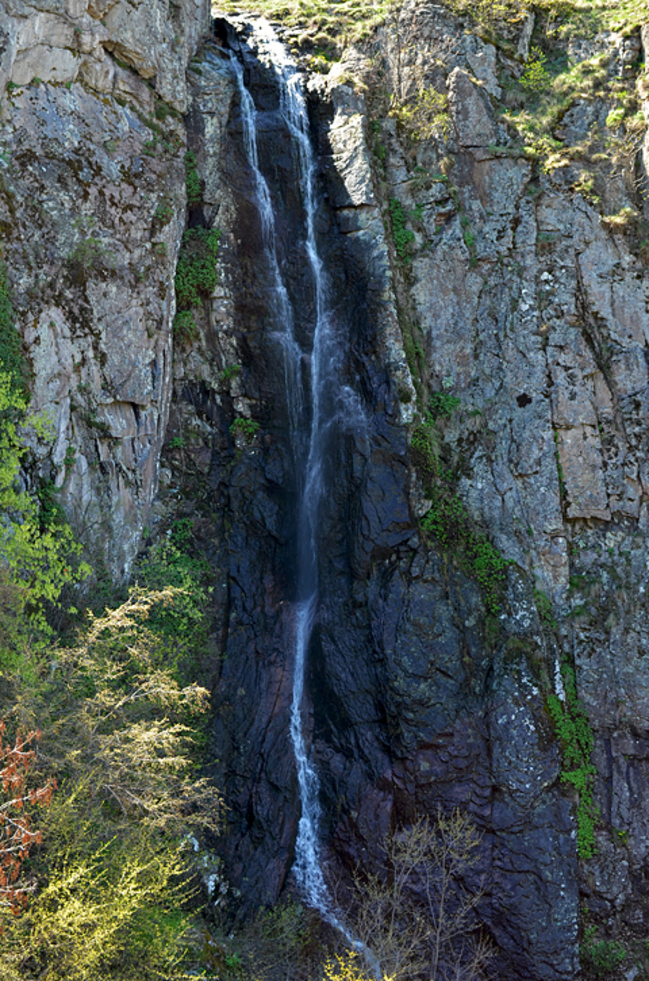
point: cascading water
(327, 392)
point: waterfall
(325, 389)
(331, 400)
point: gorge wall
(509, 293)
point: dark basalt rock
(414, 705)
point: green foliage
(602, 957)
(38, 559)
(331, 27)
(573, 729)
(183, 624)
(163, 212)
(536, 77)
(544, 609)
(184, 327)
(442, 405)
(12, 360)
(106, 916)
(615, 118)
(401, 235)
(468, 236)
(450, 524)
(424, 116)
(90, 253)
(232, 371)
(196, 274)
(248, 428)
(119, 733)
(192, 180)
(51, 513)
(424, 446)
(448, 520)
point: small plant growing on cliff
(442, 405)
(232, 371)
(536, 77)
(450, 524)
(401, 235)
(601, 956)
(196, 274)
(425, 117)
(185, 328)
(90, 254)
(573, 729)
(248, 428)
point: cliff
(480, 635)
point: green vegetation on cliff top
(323, 24)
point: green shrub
(450, 524)
(232, 371)
(196, 274)
(573, 729)
(184, 623)
(401, 235)
(441, 405)
(185, 328)
(536, 77)
(601, 956)
(245, 427)
(425, 116)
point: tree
(16, 833)
(36, 560)
(114, 872)
(124, 724)
(416, 915)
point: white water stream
(326, 392)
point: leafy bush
(38, 559)
(89, 254)
(601, 956)
(196, 274)
(441, 405)
(425, 116)
(449, 522)
(401, 235)
(247, 428)
(574, 731)
(536, 77)
(185, 327)
(183, 623)
(120, 732)
(232, 371)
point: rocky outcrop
(92, 202)
(85, 40)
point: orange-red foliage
(16, 834)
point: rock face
(413, 707)
(507, 293)
(538, 326)
(92, 200)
